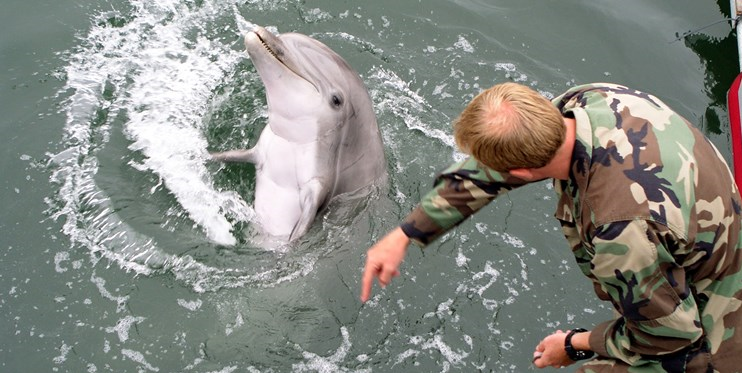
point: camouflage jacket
(652, 215)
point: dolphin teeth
(268, 48)
(271, 51)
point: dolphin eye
(336, 101)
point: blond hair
(510, 126)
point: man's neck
(562, 162)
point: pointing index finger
(368, 278)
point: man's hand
(550, 352)
(383, 260)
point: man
(648, 207)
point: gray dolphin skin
(321, 139)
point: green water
(107, 266)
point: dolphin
(321, 139)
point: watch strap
(573, 353)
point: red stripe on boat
(735, 122)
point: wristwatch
(571, 352)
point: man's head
(510, 126)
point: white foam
(190, 305)
(100, 283)
(123, 325)
(453, 357)
(464, 45)
(330, 364)
(405, 355)
(511, 71)
(138, 357)
(243, 25)
(232, 369)
(60, 257)
(405, 103)
(489, 271)
(63, 351)
(444, 309)
(238, 322)
(166, 102)
(511, 240)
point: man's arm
(460, 191)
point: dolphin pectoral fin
(311, 200)
(241, 155)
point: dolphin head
(310, 89)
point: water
(123, 250)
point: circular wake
(135, 159)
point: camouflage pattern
(652, 215)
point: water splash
(243, 25)
(149, 74)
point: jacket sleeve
(633, 266)
(458, 192)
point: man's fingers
(537, 355)
(383, 260)
(385, 276)
(368, 279)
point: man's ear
(522, 173)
